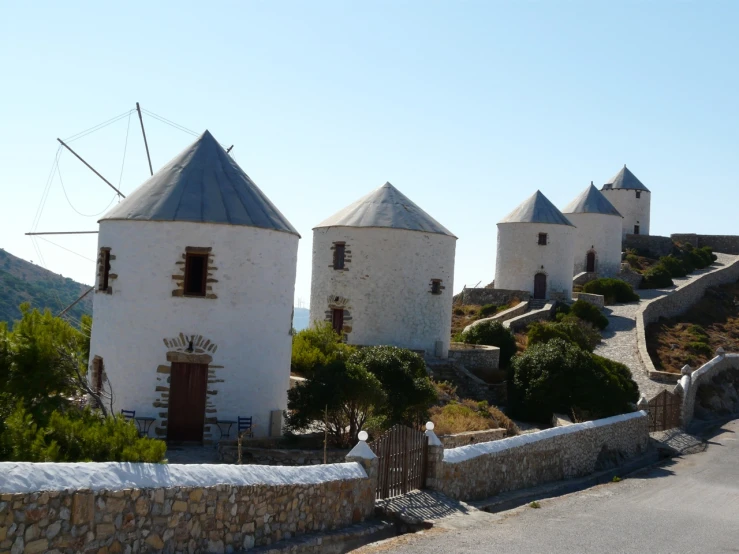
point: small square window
(339, 255)
(105, 275)
(638, 194)
(196, 271)
(436, 287)
(636, 229)
(543, 239)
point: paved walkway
(619, 338)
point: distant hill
(22, 281)
(301, 318)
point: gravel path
(619, 338)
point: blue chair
(245, 428)
(128, 414)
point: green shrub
(709, 253)
(633, 261)
(403, 376)
(77, 436)
(613, 290)
(488, 310)
(570, 329)
(699, 347)
(673, 265)
(458, 311)
(587, 312)
(698, 332)
(557, 376)
(492, 333)
(657, 277)
(316, 347)
(687, 261)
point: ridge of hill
(22, 281)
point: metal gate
(403, 454)
(664, 411)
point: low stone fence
(597, 300)
(228, 452)
(505, 315)
(472, 437)
(656, 245)
(727, 244)
(544, 314)
(627, 274)
(117, 507)
(497, 297)
(675, 303)
(482, 470)
(690, 382)
(477, 358)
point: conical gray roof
(202, 184)
(537, 209)
(591, 201)
(625, 179)
(385, 207)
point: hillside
(22, 281)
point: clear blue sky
(467, 107)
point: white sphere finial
(363, 436)
(430, 426)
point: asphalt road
(689, 505)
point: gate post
(363, 455)
(434, 459)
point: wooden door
(337, 321)
(540, 286)
(187, 388)
(591, 262)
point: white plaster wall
(520, 257)
(387, 285)
(599, 232)
(249, 321)
(635, 210)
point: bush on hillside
(614, 291)
(316, 347)
(673, 265)
(656, 277)
(587, 312)
(557, 376)
(76, 436)
(403, 376)
(492, 333)
(469, 415)
(570, 329)
(488, 310)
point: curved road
(689, 505)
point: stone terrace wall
(475, 357)
(47, 507)
(703, 375)
(498, 297)
(728, 244)
(659, 246)
(597, 300)
(675, 303)
(482, 470)
(521, 321)
(472, 437)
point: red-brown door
(337, 320)
(540, 286)
(187, 388)
(591, 262)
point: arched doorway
(540, 286)
(590, 262)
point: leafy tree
(493, 333)
(403, 376)
(557, 376)
(316, 347)
(339, 398)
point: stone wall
(630, 276)
(472, 437)
(482, 470)
(675, 303)
(228, 453)
(658, 246)
(543, 314)
(690, 383)
(475, 357)
(728, 244)
(138, 507)
(517, 310)
(497, 297)
(597, 300)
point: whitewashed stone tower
(632, 200)
(383, 271)
(598, 235)
(536, 246)
(194, 297)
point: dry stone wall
(656, 245)
(472, 437)
(727, 244)
(689, 384)
(497, 297)
(482, 470)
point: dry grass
(693, 337)
(464, 314)
(468, 415)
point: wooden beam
(63, 233)
(65, 310)
(90, 167)
(143, 132)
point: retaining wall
(675, 303)
(597, 300)
(702, 376)
(472, 437)
(728, 244)
(116, 507)
(503, 316)
(497, 297)
(482, 470)
(475, 357)
(658, 246)
(229, 453)
(544, 314)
